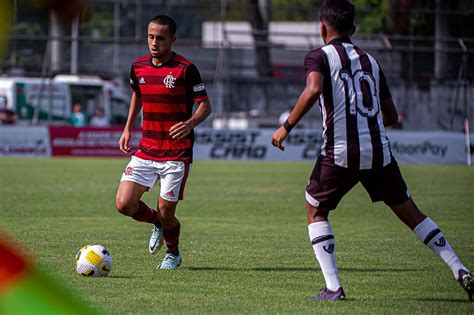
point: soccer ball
(93, 261)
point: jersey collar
(155, 66)
(342, 39)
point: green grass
(243, 238)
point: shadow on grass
(247, 269)
(119, 277)
(442, 300)
(299, 269)
(381, 269)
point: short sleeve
(384, 89)
(315, 61)
(134, 81)
(194, 85)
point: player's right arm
(315, 64)
(312, 91)
(309, 96)
(135, 107)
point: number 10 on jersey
(360, 91)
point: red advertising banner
(71, 141)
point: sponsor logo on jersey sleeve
(198, 88)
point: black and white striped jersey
(353, 85)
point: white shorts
(172, 175)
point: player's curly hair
(165, 20)
(338, 14)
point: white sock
(322, 239)
(429, 233)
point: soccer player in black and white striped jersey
(356, 106)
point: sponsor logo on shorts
(170, 193)
(199, 87)
(128, 171)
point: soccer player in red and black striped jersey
(356, 106)
(165, 87)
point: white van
(41, 101)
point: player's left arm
(198, 92)
(183, 128)
(389, 110)
(310, 94)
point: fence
(113, 36)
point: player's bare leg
(128, 197)
(322, 240)
(409, 213)
(171, 231)
(316, 215)
(167, 213)
(428, 232)
(127, 202)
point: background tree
(259, 17)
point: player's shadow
(381, 269)
(302, 269)
(441, 300)
(246, 269)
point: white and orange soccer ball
(93, 261)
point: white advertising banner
(24, 141)
(436, 147)
(255, 145)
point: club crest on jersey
(169, 81)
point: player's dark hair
(165, 20)
(338, 14)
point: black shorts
(328, 184)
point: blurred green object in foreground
(26, 290)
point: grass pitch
(244, 239)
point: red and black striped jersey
(168, 93)
(353, 85)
